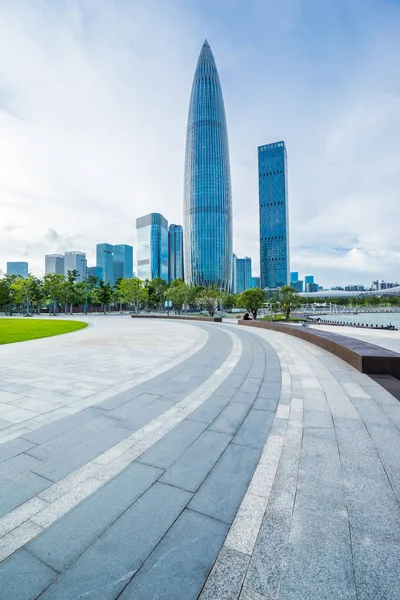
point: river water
(366, 318)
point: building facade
(18, 268)
(152, 247)
(76, 261)
(255, 282)
(274, 217)
(207, 189)
(175, 252)
(54, 263)
(242, 275)
(123, 261)
(294, 276)
(297, 285)
(104, 260)
(95, 272)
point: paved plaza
(149, 459)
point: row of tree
(67, 293)
(58, 293)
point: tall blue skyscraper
(123, 261)
(274, 218)
(152, 247)
(175, 252)
(294, 276)
(207, 194)
(104, 259)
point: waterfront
(366, 318)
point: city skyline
(330, 93)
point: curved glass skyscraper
(207, 198)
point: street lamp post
(86, 289)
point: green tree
(193, 293)
(177, 293)
(160, 287)
(71, 290)
(54, 288)
(208, 297)
(5, 293)
(105, 294)
(290, 300)
(20, 288)
(228, 301)
(252, 300)
(132, 292)
(36, 292)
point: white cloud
(93, 107)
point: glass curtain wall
(207, 194)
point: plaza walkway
(177, 461)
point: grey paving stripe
(68, 493)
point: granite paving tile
(190, 470)
(23, 577)
(266, 565)
(226, 578)
(181, 562)
(230, 418)
(63, 463)
(251, 384)
(66, 539)
(20, 489)
(244, 397)
(48, 432)
(318, 567)
(135, 421)
(211, 408)
(255, 428)
(106, 567)
(266, 403)
(14, 447)
(17, 465)
(172, 446)
(248, 594)
(222, 491)
(377, 566)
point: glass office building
(104, 260)
(255, 282)
(207, 193)
(75, 261)
(95, 272)
(54, 263)
(175, 252)
(123, 261)
(274, 218)
(18, 268)
(152, 247)
(241, 274)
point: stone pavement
(248, 464)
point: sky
(94, 96)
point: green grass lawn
(19, 330)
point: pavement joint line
(73, 489)
(18, 429)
